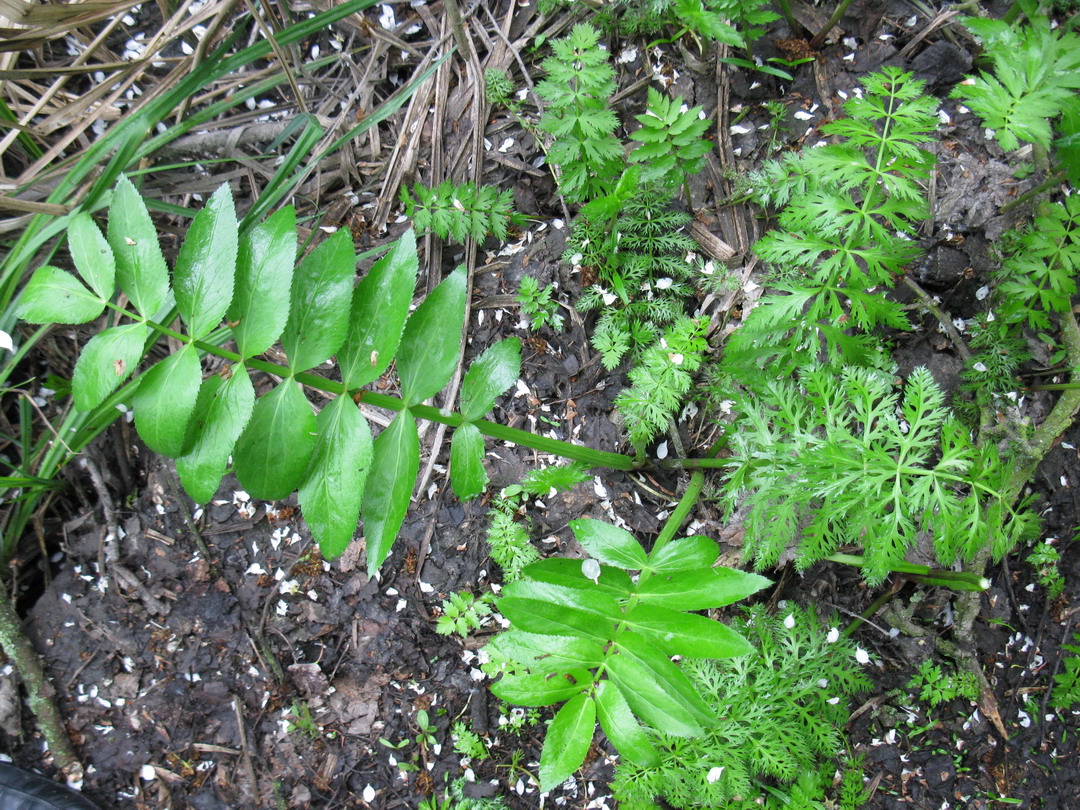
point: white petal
(862, 656)
(5, 341)
(833, 636)
(789, 622)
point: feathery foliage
(458, 212)
(577, 88)
(463, 613)
(537, 305)
(935, 685)
(671, 144)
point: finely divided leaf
(106, 361)
(321, 298)
(165, 399)
(55, 296)
(92, 255)
(389, 487)
(221, 412)
(700, 590)
(621, 727)
(489, 376)
(467, 473)
(273, 453)
(380, 304)
(334, 488)
(610, 544)
(206, 265)
(140, 267)
(264, 271)
(432, 339)
(568, 739)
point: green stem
(957, 580)
(1053, 180)
(819, 37)
(686, 503)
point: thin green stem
(958, 580)
(819, 37)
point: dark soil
(221, 663)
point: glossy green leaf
(106, 361)
(536, 689)
(389, 487)
(610, 544)
(273, 452)
(542, 653)
(561, 571)
(165, 400)
(589, 600)
(621, 727)
(264, 271)
(221, 412)
(684, 554)
(534, 616)
(701, 589)
(686, 634)
(206, 265)
(380, 305)
(140, 266)
(568, 739)
(332, 494)
(664, 673)
(92, 255)
(467, 473)
(489, 376)
(431, 341)
(651, 699)
(321, 299)
(55, 296)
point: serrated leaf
(380, 304)
(650, 700)
(165, 400)
(684, 554)
(467, 473)
(686, 634)
(590, 600)
(610, 544)
(542, 653)
(621, 727)
(92, 255)
(489, 376)
(264, 271)
(206, 265)
(565, 572)
(321, 299)
(568, 739)
(431, 342)
(389, 487)
(221, 412)
(140, 267)
(55, 296)
(107, 360)
(272, 455)
(334, 489)
(536, 689)
(701, 589)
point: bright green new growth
(1046, 561)
(936, 686)
(772, 720)
(584, 632)
(842, 458)
(1066, 690)
(578, 84)
(537, 305)
(467, 742)
(671, 144)
(277, 442)
(460, 212)
(497, 89)
(463, 613)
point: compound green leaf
(264, 271)
(432, 339)
(165, 400)
(106, 361)
(621, 727)
(140, 267)
(488, 377)
(92, 255)
(321, 297)
(701, 589)
(610, 544)
(55, 296)
(206, 265)
(568, 573)
(546, 618)
(467, 473)
(684, 554)
(536, 689)
(221, 412)
(568, 739)
(688, 634)
(380, 305)
(334, 488)
(389, 487)
(273, 452)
